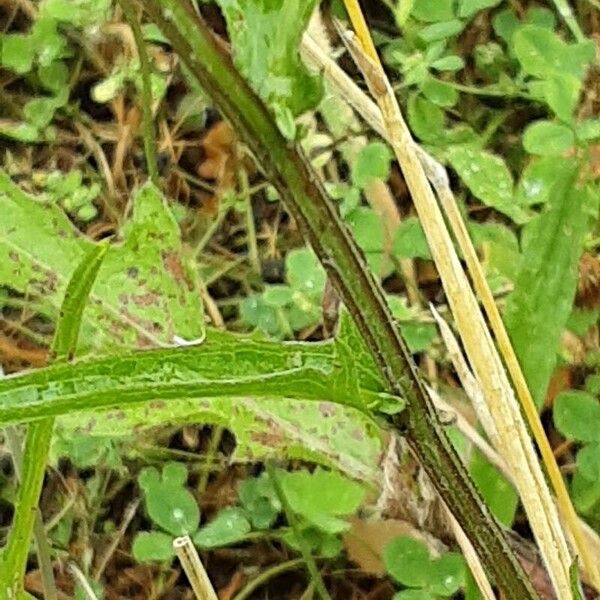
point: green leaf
(432, 11)
(588, 461)
(40, 111)
(439, 92)
(538, 309)
(562, 94)
(407, 561)
(169, 504)
(22, 132)
(505, 23)
(322, 497)
(418, 336)
(85, 451)
(54, 77)
(488, 178)
(546, 138)
(441, 30)
(586, 495)
(538, 179)
(577, 416)
(66, 334)
(446, 574)
(501, 251)
(538, 15)
(414, 594)
(228, 527)
(448, 63)
(266, 35)
(146, 292)
(426, 119)
(150, 546)
(543, 54)
(278, 295)
(368, 230)
(78, 12)
(410, 240)
(260, 501)
(16, 52)
(498, 494)
(467, 8)
(588, 129)
(372, 162)
(304, 272)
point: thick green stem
(307, 201)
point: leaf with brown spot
(137, 300)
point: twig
(194, 569)
(82, 581)
(116, 540)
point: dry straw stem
(194, 569)
(585, 539)
(471, 557)
(513, 439)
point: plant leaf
(145, 293)
(547, 139)
(230, 526)
(488, 178)
(577, 416)
(151, 546)
(321, 497)
(266, 36)
(538, 309)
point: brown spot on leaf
(173, 265)
(148, 299)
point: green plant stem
(14, 559)
(212, 228)
(250, 227)
(216, 435)
(146, 71)
(39, 434)
(292, 518)
(39, 533)
(303, 193)
(271, 369)
(266, 575)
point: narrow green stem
(212, 228)
(250, 227)
(303, 193)
(292, 518)
(215, 439)
(266, 575)
(39, 434)
(146, 71)
(16, 551)
(39, 532)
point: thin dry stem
(194, 569)
(514, 441)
